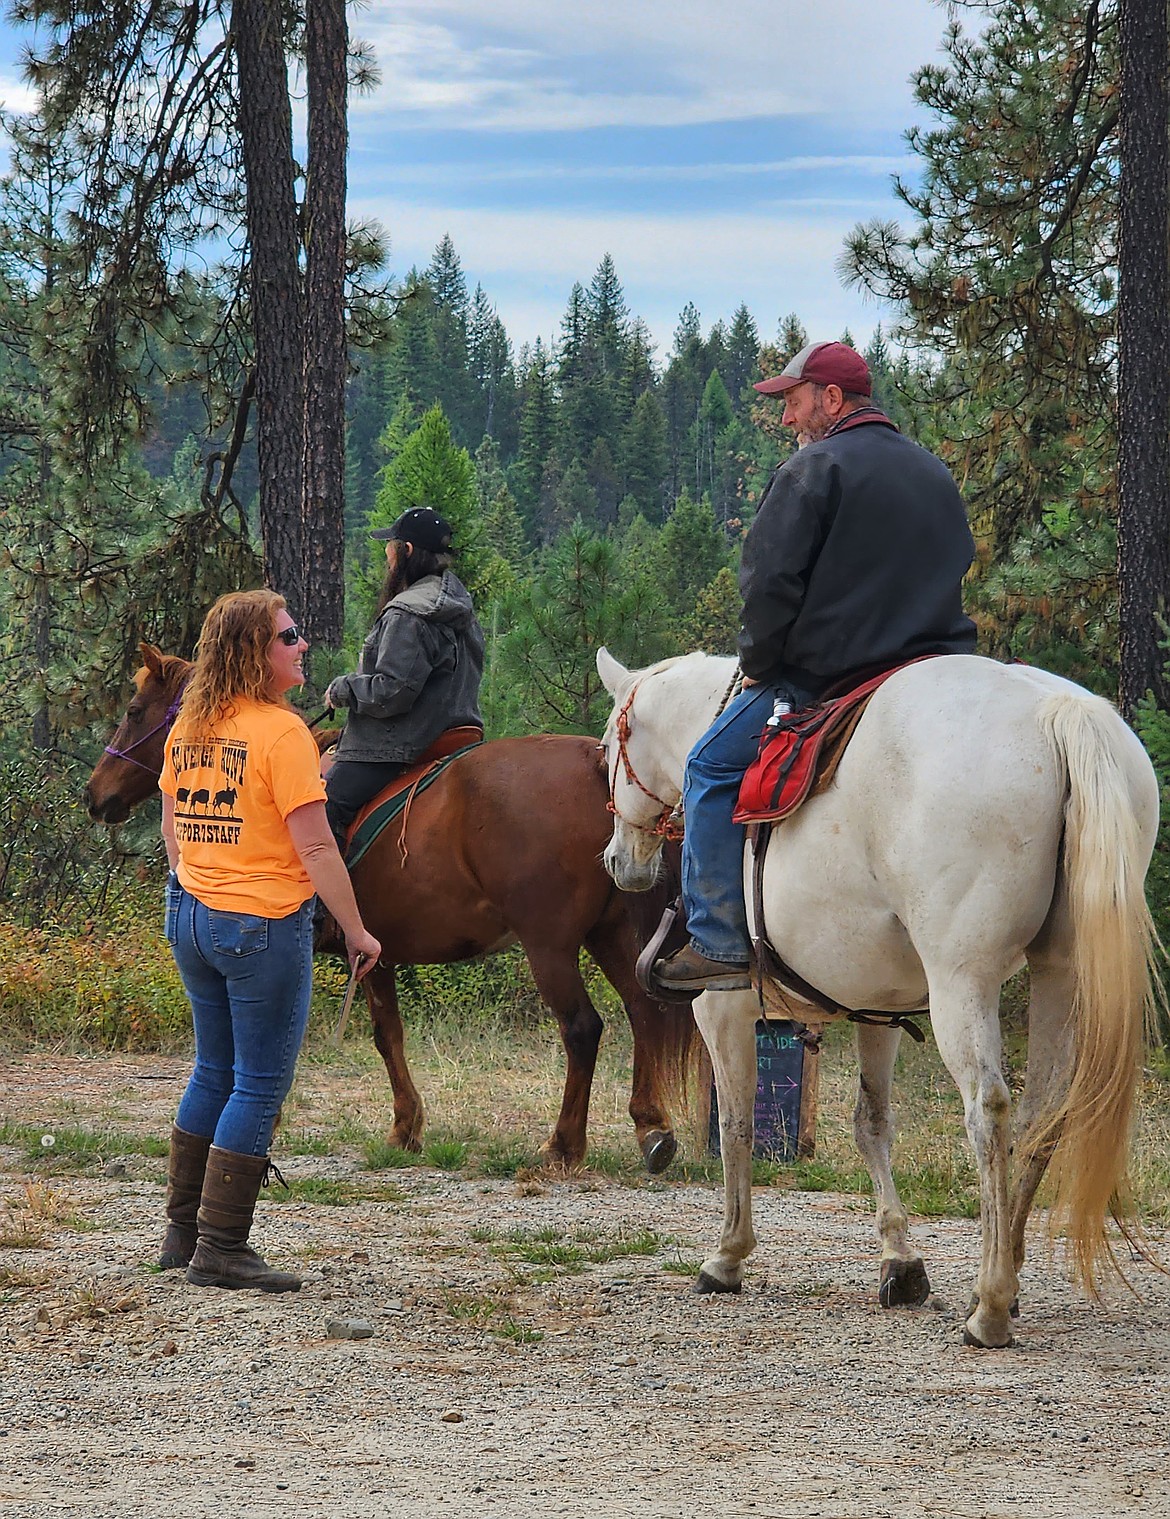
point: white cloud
(527, 262)
(528, 65)
(15, 95)
(877, 165)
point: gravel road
(530, 1351)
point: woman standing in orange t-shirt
(248, 844)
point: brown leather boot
(222, 1257)
(185, 1168)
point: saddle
(394, 800)
(799, 754)
(798, 758)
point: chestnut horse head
(128, 771)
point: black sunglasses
(289, 636)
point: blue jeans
(712, 855)
(249, 980)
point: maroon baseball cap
(823, 364)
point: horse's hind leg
(558, 979)
(964, 1013)
(1050, 1055)
(614, 948)
(903, 1282)
(382, 996)
(727, 1022)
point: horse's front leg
(382, 997)
(965, 1017)
(727, 1022)
(903, 1282)
(558, 979)
(662, 1037)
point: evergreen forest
(600, 490)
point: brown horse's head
(128, 771)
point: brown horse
(504, 848)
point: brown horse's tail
(1115, 982)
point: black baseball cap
(422, 528)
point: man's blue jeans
(249, 980)
(712, 856)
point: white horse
(984, 816)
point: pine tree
(580, 597)
(538, 428)
(1007, 272)
(643, 461)
(428, 469)
(743, 351)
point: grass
(69, 1147)
(553, 1252)
(26, 1224)
(491, 1071)
(493, 1315)
(327, 1192)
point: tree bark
(326, 52)
(273, 234)
(1143, 360)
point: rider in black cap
(419, 670)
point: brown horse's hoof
(659, 1148)
(557, 1159)
(904, 1284)
(409, 1142)
(705, 1284)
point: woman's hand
(363, 951)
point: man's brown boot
(687, 970)
(185, 1168)
(222, 1257)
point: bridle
(165, 726)
(668, 824)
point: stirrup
(673, 921)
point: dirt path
(592, 1383)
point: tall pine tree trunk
(277, 328)
(1143, 364)
(326, 48)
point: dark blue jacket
(856, 558)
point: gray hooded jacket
(418, 675)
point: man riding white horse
(854, 562)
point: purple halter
(166, 724)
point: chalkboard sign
(785, 1067)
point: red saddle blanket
(799, 756)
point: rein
(668, 824)
(165, 725)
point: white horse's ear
(611, 670)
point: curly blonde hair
(231, 658)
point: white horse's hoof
(705, 1283)
(904, 1284)
(987, 1337)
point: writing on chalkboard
(780, 1068)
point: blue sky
(719, 151)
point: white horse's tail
(1115, 981)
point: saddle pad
(799, 756)
(391, 801)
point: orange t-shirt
(233, 791)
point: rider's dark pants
(349, 785)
